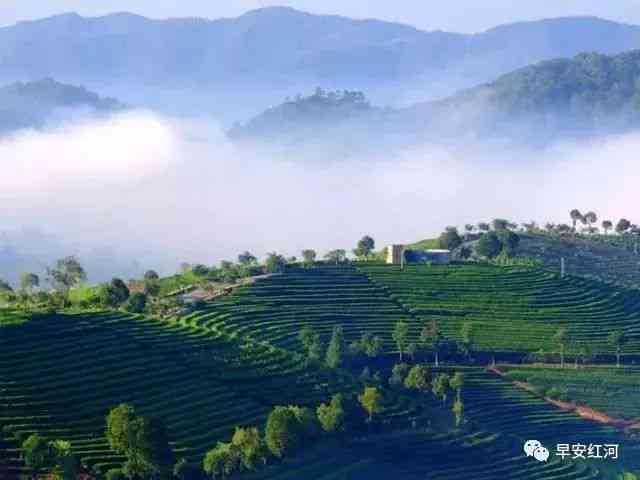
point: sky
(455, 15)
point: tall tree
(606, 226)
(336, 348)
(590, 218)
(246, 259)
(432, 335)
(576, 217)
(282, 432)
(400, 335)
(151, 275)
(365, 246)
(36, 453)
(457, 382)
(450, 239)
(371, 401)
(623, 225)
(418, 378)
(311, 343)
(67, 273)
(275, 263)
(309, 257)
(467, 334)
(617, 339)
(489, 245)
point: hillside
(32, 104)
(229, 362)
(585, 95)
(290, 46)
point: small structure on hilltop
(396, 253)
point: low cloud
(162, 190)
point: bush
(136, 303)
(115, 474)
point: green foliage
(275, 263)
(283, 431)
(400, 335)
(247, 258)
(29, 282)
(309, 257)
(67, 273)
(369, 344)
(136, 303)
(36, 452)
(418, 378)
(365, 246)
(450, 239)
(489, 245)
(440, 386)
(458, 411)
(115, 474)
(371, 401)
(398, 373)
(336, 348)
(221, 461)
(250, 446)
(311, 343)
(331, 415)
(336, 256)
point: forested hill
(588, 94)
(31, 104)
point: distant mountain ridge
(31, 104)
(279, 44)
(588, 94)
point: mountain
(589, 94)
(32, 104)
(278, 47)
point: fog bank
(161, 191)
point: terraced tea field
(513, 308)
(60, 375)
(615, 392)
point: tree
(66, 464)
(456, 383)
(484, 227)
(309, 257)
(371, 401)
(431, 334)
(500, 224)
(590, 218)
(576, 216)
(606, 226)
(336, 256)
(418, 378)
(412, 349)
(509, 241)
(275, 263)
(458, 411)
(617, 339)
(221, 461)
(136, 303)
(115, 474)
(561, 338)
(29, 282)
(114, 294)
(118, 430)
(335, 350)
(489, 245)
(250, 446)
(331, 415)
(371, 345)
(247, 259)
(440, 386)
(398, 373)
(151, 275)
(365, 247)
(150, 453)
(450, 239)
(282, 431)
(623, 225)
(67, 273)
(467, 337)
(311, 343)
(470, 228)
(400, 335)
(36, 453)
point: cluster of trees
(55, 457)
(143, 441)
(287, 430)
(418, 378)
(496, 238)
(582, 351)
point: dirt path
(583, 411)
